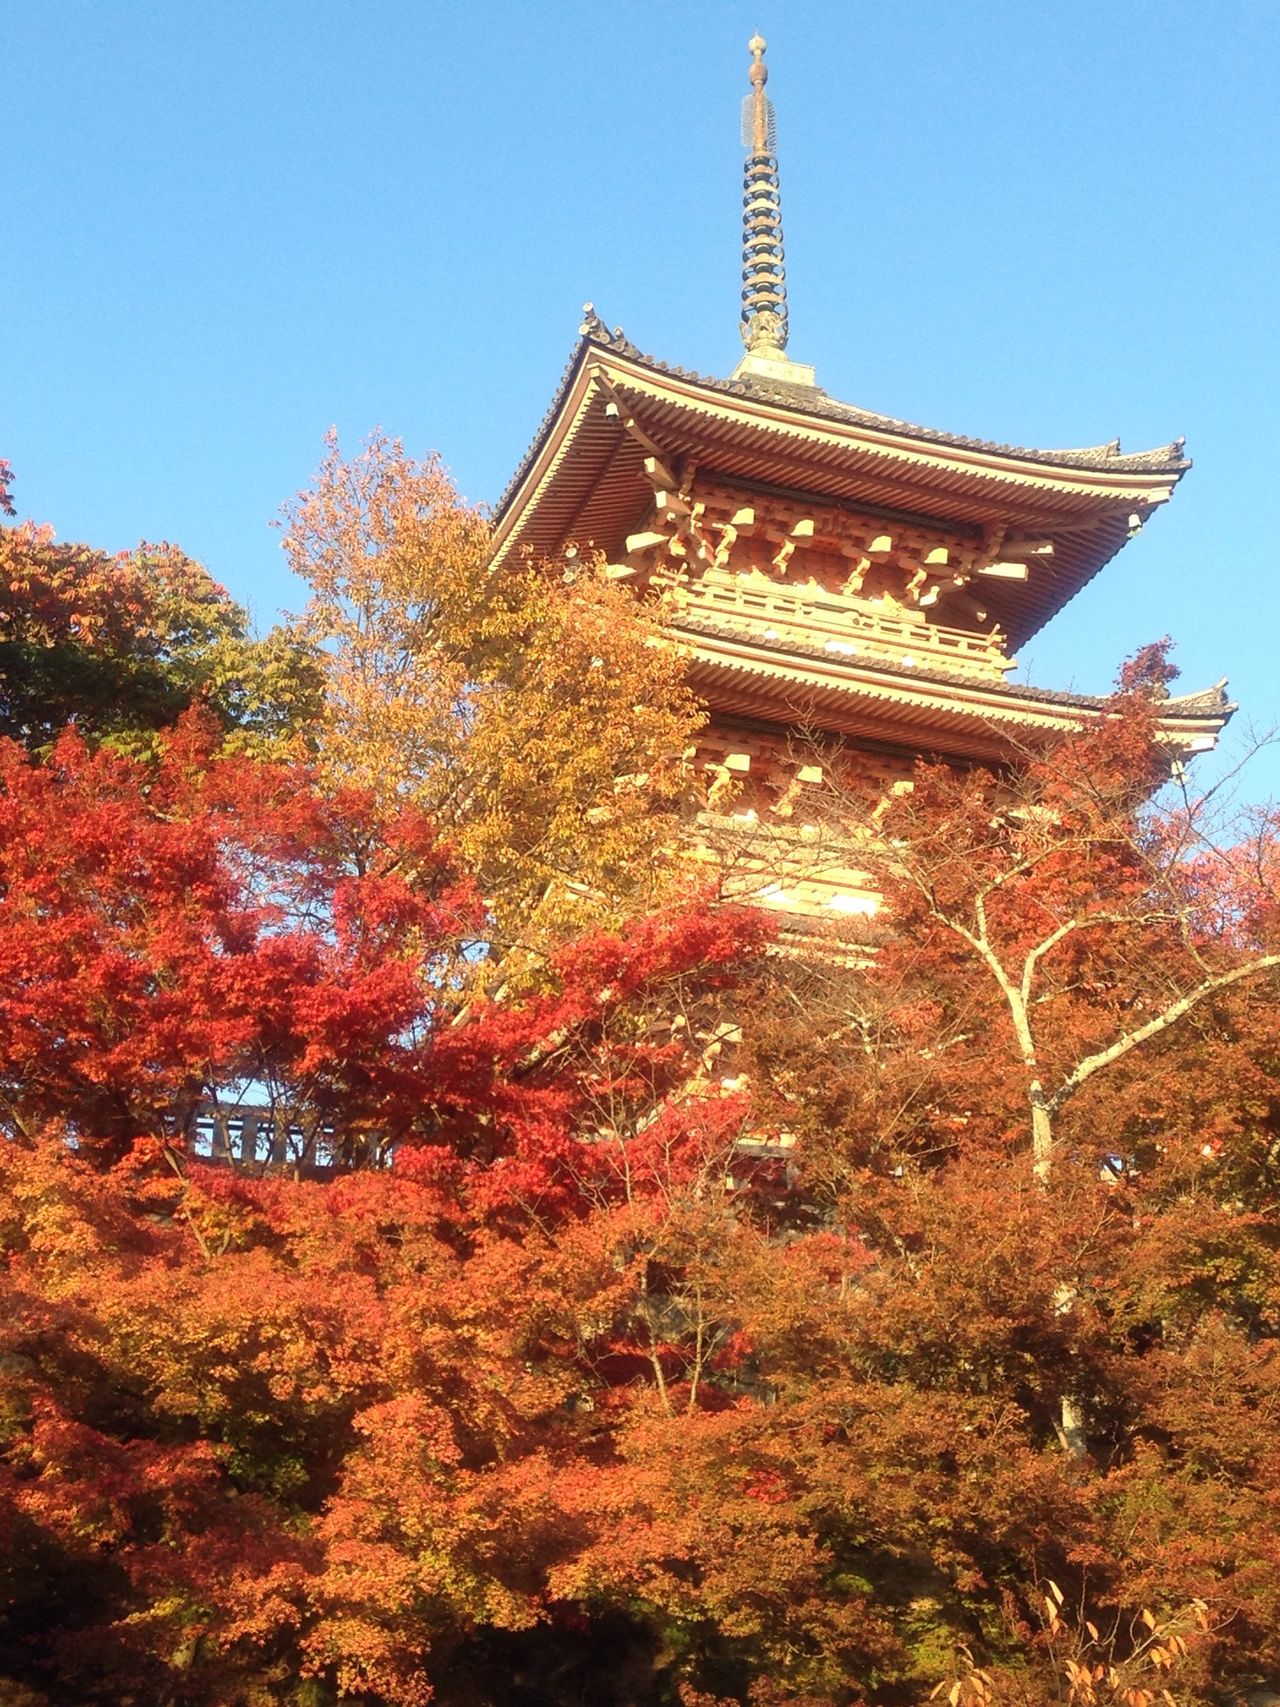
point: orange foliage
(604, 1389)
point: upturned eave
(582, 479)
(915, 709)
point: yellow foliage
(535, 711)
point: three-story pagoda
(836, 576)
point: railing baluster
(839, 618)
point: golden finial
(764, 287)
(759, 103)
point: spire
(764, 272)
(764, 268)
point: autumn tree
(690, 1325)
(171, 929)
(1058, 879)
(535, 712)
(1040, 1094)
(224, 1387)
(122, 645)
(1073, 903)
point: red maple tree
(581, 1373)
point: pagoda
(841, 581)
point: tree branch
(1092, 1064)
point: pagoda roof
(582, 479)
(921, 708)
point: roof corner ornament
(764, 280)
(764, 269)
(592, 325)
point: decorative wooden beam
(702, 545)
(658, 472)
(742, 521)
(616, 410)
(646, 541)
(853, 586)
(728, 539)
(671, 504)
(801, 532)
(1005, 571)
(916, 584)
(722, 785)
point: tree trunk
(1041, 1132)
(1071, 1430)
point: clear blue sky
(229, 225)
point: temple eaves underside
(583, 479)
(911, 709)
(823, 564)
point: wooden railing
(257, 1139)
(841, 625)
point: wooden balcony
(839, 625)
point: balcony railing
(840, 625)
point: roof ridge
(1166, 457)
